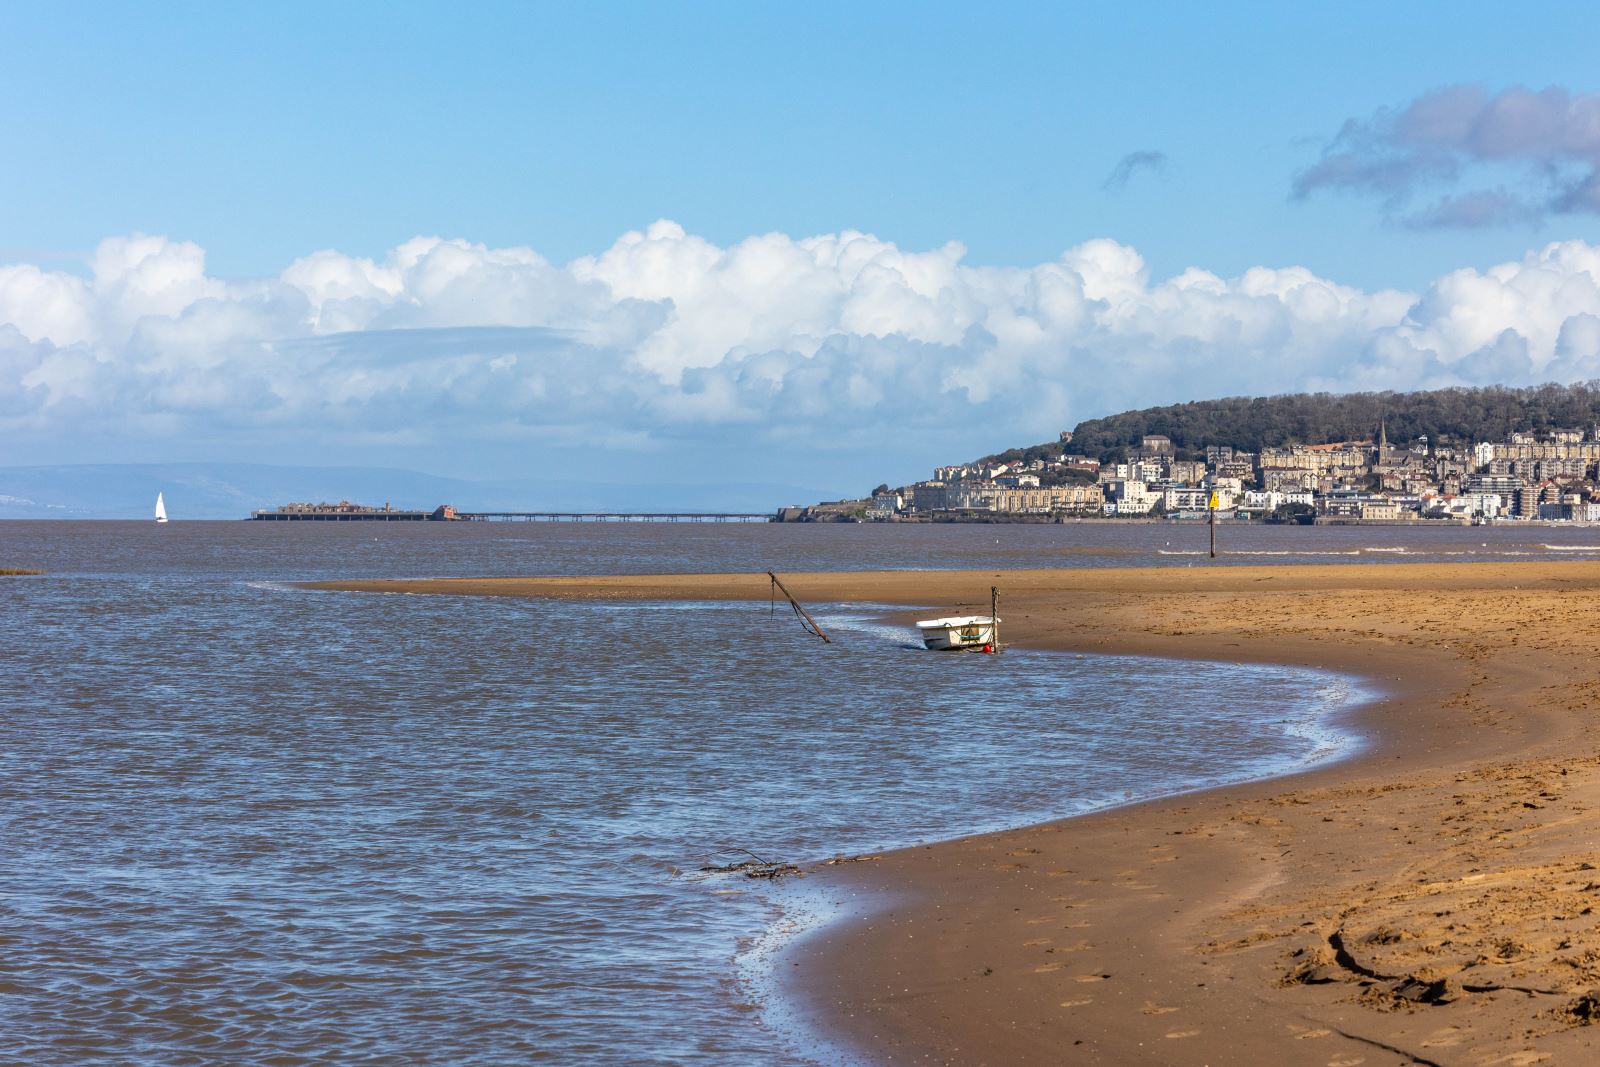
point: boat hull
(955, 635)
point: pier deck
(613, 516)
(448, 514)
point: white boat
(964, 631)
(161, 509)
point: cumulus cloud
(770, 347)
(1130, 164)
(1463, 157)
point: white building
(1178, 498)
(1272, 500)
(1488, 505)
(1129, 497)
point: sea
(246, 823)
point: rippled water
(245, 823)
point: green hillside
(1251, 423)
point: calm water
(249, 824)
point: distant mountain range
(233, 490)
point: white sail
(161, 509)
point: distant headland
(1448, 455)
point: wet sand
(1432, 900)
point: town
(1551, 476)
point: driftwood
(754, 867)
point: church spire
(1383, 443)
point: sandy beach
(1432, 900)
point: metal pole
(797, 607)
(1213, 523)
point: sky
(815, 244)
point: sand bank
(1434, 900)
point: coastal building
(1128, 496)
(1153, 446)
(929, 496)
(1272, 500)
(1571, 511)
(1178, 498)
(973, 496)
(1554, 475)
(1559, 444)
(884, 506)
(989, 497)
(1186, 472)
(1504, 484)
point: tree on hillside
(1444, 416)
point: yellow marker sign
(1214, 501)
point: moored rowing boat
(964, 631)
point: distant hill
(1252, 423)
(233, 490)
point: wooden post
(802, 612)
(994, 617)
(1213, 523)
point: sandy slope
(1435, 900)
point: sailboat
(161, 509)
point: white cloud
(826, 343)
(46, 305)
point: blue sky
(265, 131)
(260, 134)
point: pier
(613, 516)
(344, 511)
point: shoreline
(802, 926)
(1425, 900)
